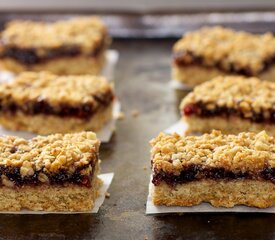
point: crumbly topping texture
(56, 90)
(248, 95)
(85, 32)
(49, 154)
(226, 47)
(246, 152)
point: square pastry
(213, 51)
(53, 173)
(75, 46)
(231, 104)
(45, 103)
(223, 170)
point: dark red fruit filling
(29, 56)
(61, 177)
(198, 172)
(189, 110)
(181, 56)
(83, 111)
(201, 110)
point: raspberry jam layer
(185, 58)
(198, 172)
(83, 111)
(29, 56)
(59, 178)
(200, 109)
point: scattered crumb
(135, 113)
(145, 168)
(107, 195)
(121, 116)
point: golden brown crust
(193, 75)
(227, 48)
(47, 198)
(246, 152)
(84, 32)
(49, 154)
(55, 90)
(247, 95)
(219, 193)
(230, 125)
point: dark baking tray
(141, 84)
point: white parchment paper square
(179, 127)
(174, 84)
(107, 180)
(112, 57)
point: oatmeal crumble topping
(84, 32)
(246, 152)
(49, 154)
(247, 95)
(55, 90)
(226, 48)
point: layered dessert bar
(212, 51)
(74, 46)
(45, 103)
(231, 104)
(223, 170)
(53, 173)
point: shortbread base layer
(231, 125)
(61, 66)
(48, 124)
(251, 193)
(194, 75)
(51, 198)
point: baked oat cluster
(49, 154)
(83, 32)
(248, 95)
(56, 90)
(246, 152)
(226, 48)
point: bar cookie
(53, 173)
(224, 170)
(45, 103)
(231, 104)
(213, 51)
(75, 46)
